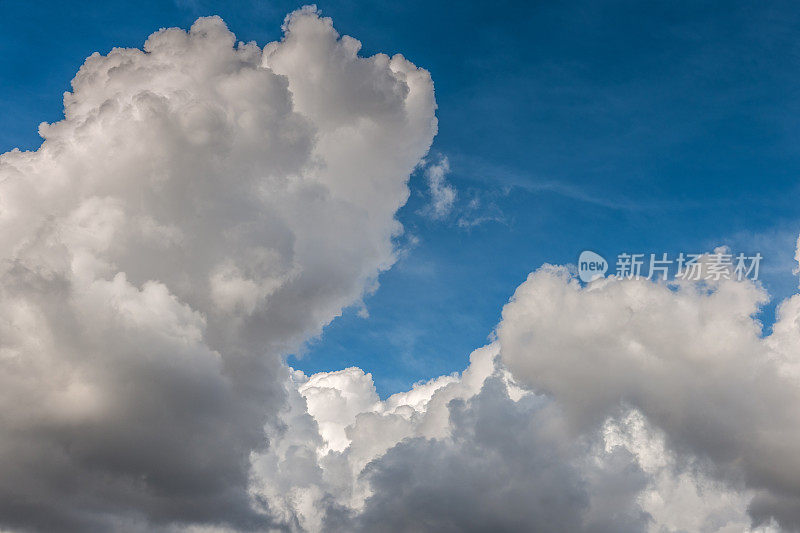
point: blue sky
(611, 126)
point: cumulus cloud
(475, 452)
(203, 207)
(350, 427)
(690, 358)
(625, 405)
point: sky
(613, 126)
(266, 267)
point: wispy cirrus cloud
(442, 194)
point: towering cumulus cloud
(203, 207)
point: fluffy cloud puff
(690, 358)
(619, 406)
(203, 207)
(476, 452)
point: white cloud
(443, 195)
(203, 208)
(624, 406)
(476, 452)
(690, 359)
(797, 257)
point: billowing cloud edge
(204, 207)
(623, 405)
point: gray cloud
(691, 359)
(206, 207)
(507, 466)
(203, 208)
(621, 406)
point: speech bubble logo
(591, 266)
